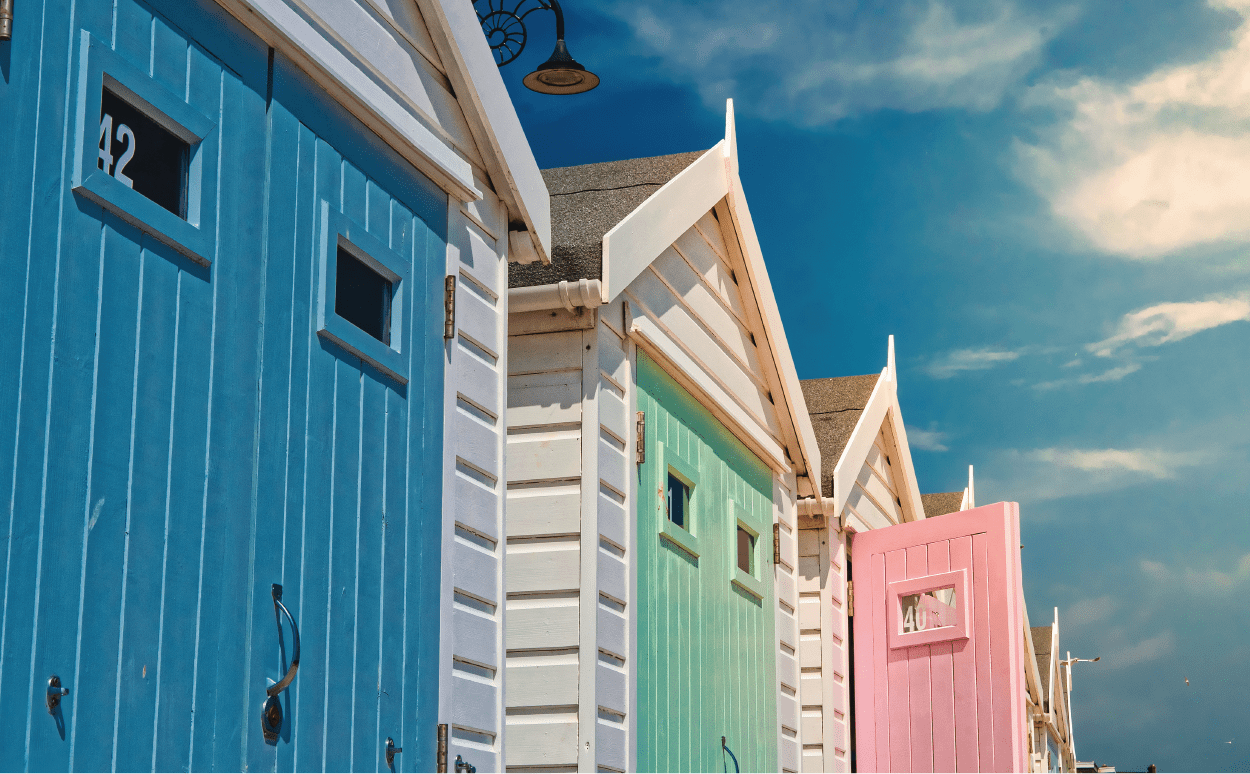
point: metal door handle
(282, 684)
(391, 749)
(271, 708)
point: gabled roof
(835, 405)
(587, 202)
(941, 503)
(1042, 647)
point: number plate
(142, 154)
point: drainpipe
(6, 19)
(822, 506)
(586, 293)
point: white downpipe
(570, 295)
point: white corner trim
(457, 35)
(909, 488)
(631, 245)
(714, 398)
(304, 43)
(792, 403)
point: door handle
(282, 684)
(271, 709)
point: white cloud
(1152, 167)
(1037, 475)
(1155, 463)
(1166, 323)
(816, 61)
(1205, 582)
(1151, 649)
(926, 440)
(1087, 612)
(968, 360)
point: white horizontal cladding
(372, 70)
(631, 245)
(722, 405)
(475, 78)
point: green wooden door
(706, 629)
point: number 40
(124, 134)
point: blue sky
(1048, 205)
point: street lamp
(1067, 664)
(503, 22)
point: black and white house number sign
(143, 155)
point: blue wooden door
(178, 432)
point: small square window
(746, 551)
(678, 501)
(141, 154)
(362, 296)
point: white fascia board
(862, 437)
(792, 407)
(290, 31)
(634, 243)
(909, 487)
(457, 34)
(691, 376)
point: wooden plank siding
(544, 547)
(177, 438)
(471, 693)
(788, 602)
(706, 660)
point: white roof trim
(282, 26)
(634, 243)
(882, 407)
(479, 88)
(694, 378)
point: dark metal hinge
(440, 759)
(776, 543)
(850, 599)
(641, 441)
(449, 307)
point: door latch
(391, 749)
(463, 765)
(55, 692)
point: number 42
(124, 134)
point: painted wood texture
(822, 627)
(180, 439)
(955, 705)
(706, 649)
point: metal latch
(391, 749)
(850, 599)
(776, 543)
(449, 307)
(641, 441)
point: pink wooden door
(939, 644)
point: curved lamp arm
(282, 684)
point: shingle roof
(1041, 647)
(587, 201)
(835, 405)
(941, 503)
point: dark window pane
(363, 297)
(142, 154)
(745, 545)
(678, 500)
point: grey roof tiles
(941, 503)
(835, 406)
(587, 202)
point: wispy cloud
(1152, 167)
(1205, 582)
(1155, 463)
(1087, 612)
(814, 62)
(1037, 475)
(926, 440)
(960, 360)
(1147, 650)
(1165, 323)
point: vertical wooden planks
(942, 675)
(919, 688)
(965, 671)
(982, 620)
(1006, 671)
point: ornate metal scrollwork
(503, 22)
